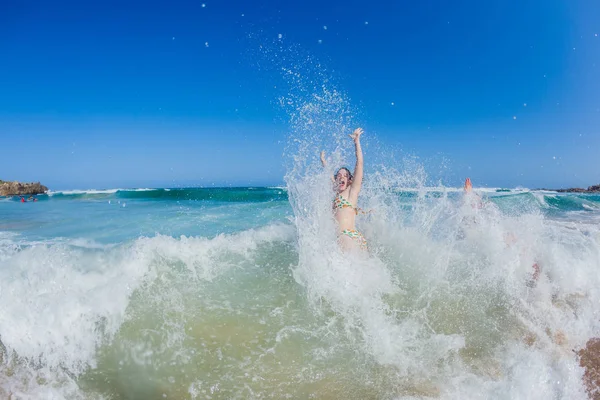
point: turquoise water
(113, 216)
(242, 293)
(117, 215)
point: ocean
(223, 293)
(244, 293)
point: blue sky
(114, 94)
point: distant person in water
(347, 187)
(509, 238)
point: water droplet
(366, 22)
(320, 41)
(280, 36)
(524, 104)
(325, 27)
(203, 5)
(206, 44)
(392, 103)
(514, 117)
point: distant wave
(97, 191)
(283, 188)
(78, 192)
(545, 200)
(255, 194)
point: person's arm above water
(474, 198)
(358, 170)
(468, 185)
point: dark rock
(594, 189)
(21, 189)
(589, 358)
(572, 190)
(591, 189)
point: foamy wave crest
(60, 303)
(88, 191)
(7, 245)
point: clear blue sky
(116, 93)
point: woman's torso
(345, 210)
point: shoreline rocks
(21, 189)
(590, 189)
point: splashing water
(450, 302)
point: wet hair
(347, 170)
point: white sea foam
(88, 191)
(60, 301)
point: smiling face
(343, 179)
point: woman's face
(342, 180)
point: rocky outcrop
(21, 189)
(595, 188)
(591, 189)
(572, 190)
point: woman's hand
(356, 134)
(323, 158)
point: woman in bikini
(347, 186)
